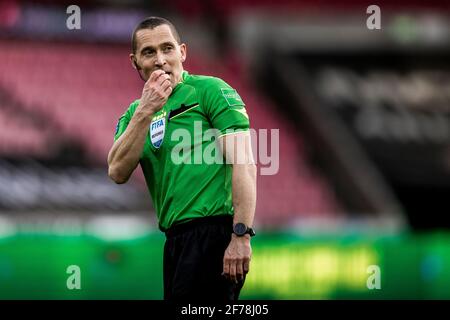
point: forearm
(244, 193)
(126, 151)
(236, 261)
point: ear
(133, 60)
(183, 50)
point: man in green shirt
(206, 208)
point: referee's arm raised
(126, 151)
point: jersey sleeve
(122, 124)
(225, 107)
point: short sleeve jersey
(185, 173)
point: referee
(206, 210)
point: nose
(160, 60)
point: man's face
(158, 49)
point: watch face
(240, 229)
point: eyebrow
(167, 43)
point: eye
(168, 48)
(148, 53)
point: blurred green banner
(284, 266)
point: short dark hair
(151, 23)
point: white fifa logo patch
(157, 131)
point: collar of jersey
(184, 76)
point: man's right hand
(125, 153)
(156, 91)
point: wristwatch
(240, 229)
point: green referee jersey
(190, 187)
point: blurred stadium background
(364, 152)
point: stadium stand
(76, 85)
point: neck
(180, 77)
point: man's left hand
(236, 261)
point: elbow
(252, 170)
(116, 176)
(249, 171)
